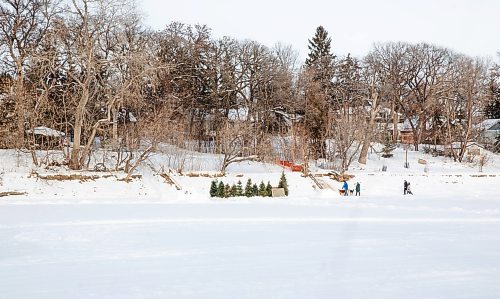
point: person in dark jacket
(405, 185)
(346, 188)
(358, 189)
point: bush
(248, 188)
(227, 191)
(220, 190)
(262, 189)
(239, 189)
(213, 188)
(283, 183)
(269, 189)
(255, 190)
(233, 190)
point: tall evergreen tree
(319, 91)
(492, 109)
(320, 59)
(319, 49)
(347, 83)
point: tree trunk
(395, 121)
(74, 162)
(115, 128)
(369, 133)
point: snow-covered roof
(45, 131)
(490, 124)
(288, 117)
(459, 145)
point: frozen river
(364, 248)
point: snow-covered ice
(109, 239)
(343, 248)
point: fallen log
(9, 193)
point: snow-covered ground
(145, 239)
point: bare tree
(233, 141)
(466, 98)
(92, 39)
(23, 24)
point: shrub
(239, 189)
(262, 189)
(255, 190)
(283, 183)
(213, 188)
(269, 189)
(227, 191)
(220, 190)
(248, 188)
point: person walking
(408, 189)
(405, 187)
(358, 189)
(346, 188)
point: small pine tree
(255, 190)
(283, 183)
(239, 189)
(388, 148)
(262, 189)
(213, 188)
(220, 189)
(248, 188)
(233, 190)
(269, 189)
(227, 191)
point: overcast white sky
(467, 26)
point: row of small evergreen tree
(219, 189)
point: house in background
(45, 138)
(406, 131)
(472, 149)
(490, 130)
(384, 123)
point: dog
(351, 192)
